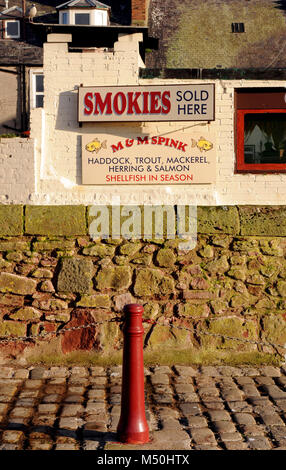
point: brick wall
(54, 276)
(139, 11)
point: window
(64, 18)
(261, 130)
(81, 18)
(37, 89)
(237, 27)
(12, 29)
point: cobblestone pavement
(200, 408)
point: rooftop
(196, 34)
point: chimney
(139, 12)
(6, 4)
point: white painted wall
(97, 17)
(57, 136)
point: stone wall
(54, 276)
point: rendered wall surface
(17, 170)
(57, 135)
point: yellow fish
(202, 144)
(95, 145)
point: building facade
(198, 122)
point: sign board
(177, 158)
(146, 103)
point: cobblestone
(199, 408)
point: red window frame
(241, 166)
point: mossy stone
(255, 279)
(207, 251)
(11, 220)
(240, 300)
(263, 220)
(101, 250)
(75, 275)
(176, 335)
(274, 329)
(265, 304)
(51, 245)
(151, 310)
(95, 300)
(229, 327)
(17, 284)
(151, 281)
(218, 220)
(58, 304)
(42, 273)
(16, 256)
(14, 245)
(142, 258)
(219, 307)
(237, 273)
(281, 287)
(58, 317)
(11, 300)
(129, 249)
(12, 328)
(221, 240)
(26, 313)
(55, 220)
(116, 277)
(271, 247)
(166, 257)
(245, 245)
(6, 265)
(271, 269)
(194, 310)
(121, 260)
(219, 266)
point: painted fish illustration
(202, 144)
(95, 146)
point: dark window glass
(39, 83)
(12, 29)
(39, 101)
(237, 27)
(82, 18)
(265, 138)
(65, 18)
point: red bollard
(132, 427)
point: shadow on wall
(67, 112)
(10, 101)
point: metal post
(133, 427)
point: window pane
(64, 18)
(12, 28)
(39, 83)
(81, 18)
(265, 138)
(39, 101)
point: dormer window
(12, 29)
(84, 12)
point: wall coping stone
(74, 220)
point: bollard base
(134, 438)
